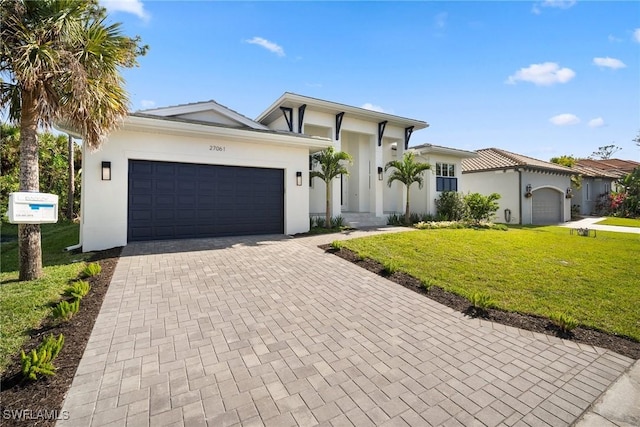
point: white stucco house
(532, 191)
(204, 170)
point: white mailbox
(32, 208)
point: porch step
(363, 219)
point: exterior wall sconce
(569, 193)
(299, 179)
(380, 175)
(106, 171)
(528, 193)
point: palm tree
(407, 171)
(331, 165)
(63, 62)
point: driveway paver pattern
(273, 331)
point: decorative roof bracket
(339, 117)
(301, 116)
(288, 116)
(381, 127)
(407, 136)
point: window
(587, 192)
(445, 177)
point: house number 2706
(216, 148)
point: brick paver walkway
(272, 331)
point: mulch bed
(42, 399)
(619, 344)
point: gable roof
(490, 159)
(592, 172)
(218, 113)
(455, 152)
(293, 100)
(619, 166)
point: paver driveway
(272, 331)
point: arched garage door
(547, 206)
(180, 200)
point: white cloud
(636, 35)
(565, 119)
(270, 46)
(614, 39)
(544, 74)
(609, 63)
(596, 123)
(128, 6)
(146, 103)
(372, 107)
(440, 20)
(558, 4)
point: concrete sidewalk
(272, 331)
(591, 222)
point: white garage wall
(539, 180)
(104, 203)
(505, 183)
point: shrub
(481, 208)
(312, 222)
(413, 218)
(482, 301)
(427, 217)
(337, 221)
(320, 222)
(395, 219)
(563, 321)
(39, 361)
(65, 309)
(78, 290)
(92, 269)
(428, 284)
(450, 206)
(336, 244)
(389, 267)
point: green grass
(24, 305)
(55, 238)
(622, 222)
(541, 270)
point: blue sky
(542, 78)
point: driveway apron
(273, 331)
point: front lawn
(540, 271)
(622, 222)
(24, 305)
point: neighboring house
(532, 191)
(594, 185)
(203, 170)
(616, 166)
(599, 178)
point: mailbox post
(32, 208)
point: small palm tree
(407, 171)
(63, 62)
(332, 165)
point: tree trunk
(71, 189)
(406, 209)
(29, 247)
(328, 205)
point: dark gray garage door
(182, 200)
(547, 206)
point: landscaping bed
(43, 398)
(618, 344)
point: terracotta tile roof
(597, 172)
(496, 159)
(618, 165)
